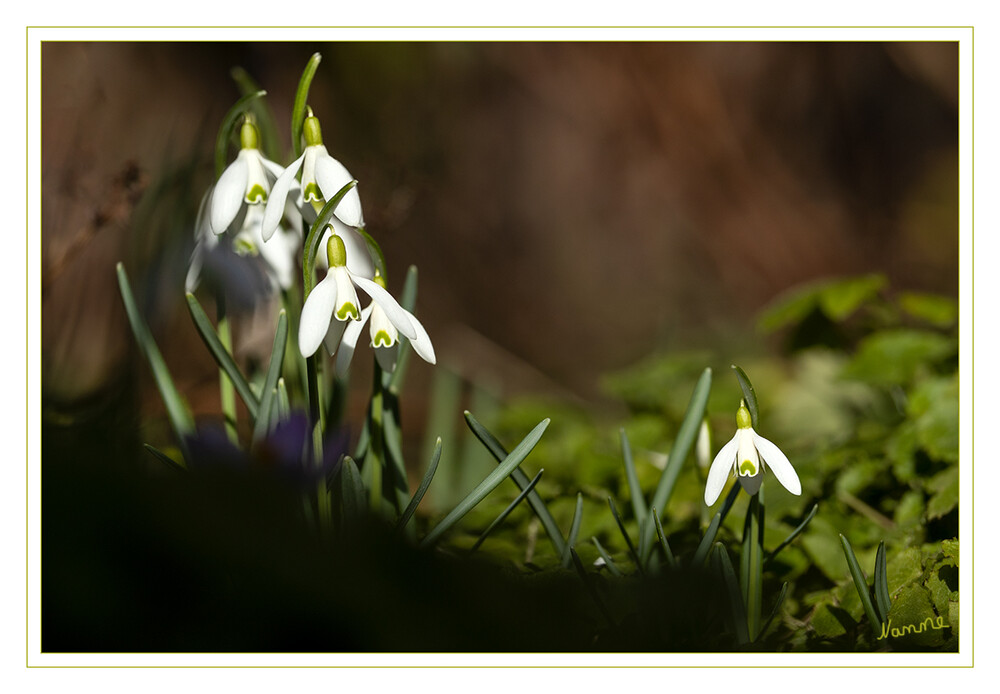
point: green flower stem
(375, 456)
(229, 122)
(751, 562)
(227, 393)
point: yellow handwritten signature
(896, 632)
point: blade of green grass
(608, 561)
(664, 545)
(299, 104)
(720, 559)
(882, 601)
(315, 236)
(678, 453)
(263, 421)
(226, 129)
(861, 584)
(521, 480)
(634, 490)
(491, 482)
(705, 546)
(574, 529)
(794, 534)
(507, 511)
(351, 495)
(751, 562)
(222, 356)
(177, 410)
(164, 458)
(628, 540)
(749, 394)
(422, 489)
(774, 610)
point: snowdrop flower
(334, 301)
(745, 455)
(247, 181)
(322, 177)
(384, 337)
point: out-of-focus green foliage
(863, 399)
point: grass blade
(507, 511)
(664, 545)
(678, 453)
(628, 540)
(299, 104)
(422, 489)
(263, 421)
(774, 610)
(574, 529)
(861, 584)
(705, 546)
(882, 601)
(794, 534)
(749, 394)
(491, 482)
(221, 355)
(177, 409)
(751, 562)
(591, 590)
(521, 480)
(720, 559)
(226, 129)
(634, 490)
(608, 561)
(350, 493)
(164, 458)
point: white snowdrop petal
(719, 471)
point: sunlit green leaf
(895, 356)
(937, 310)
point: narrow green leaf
(574, 529)
(284, 408)
(720, 559)
(749, 394)
(608, 561)
(378, 257)
(861, 584)
(491, 482)
(315, 236)
(351, 495)
(591, 590)
(751, 563)
(226, 129)
(678, 453)
(422, 489)
(794, 534)
(774, 610)
(299, 105)
(664, 545)
(882, 601)
(177, 409)
(705, 546)
(727, 505)
(521, 480)
(265, 117)
(634, 490)
(507, 511)
(221, 355)
(628, 540)
(263, 421)
(164, 458)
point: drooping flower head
(322, 177)
(745, 455)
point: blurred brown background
(571, 207)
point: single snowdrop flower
(384, 337)
(334, 301)
(245, 182)
(745, 454)
(322, 177)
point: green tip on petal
(348, 312)
(311, 130)
(312, 193)
(382, 339)
(336, 252)
(748, 468)
(256, 194)
(743, 420)
(249, 135)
